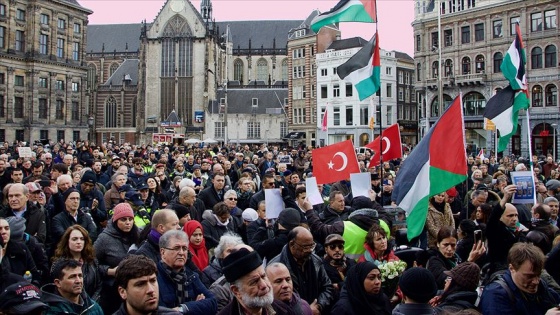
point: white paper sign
(25, 152)
(274, 203)
(312, 191)
(361, 184)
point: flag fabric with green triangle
(347, 11)
(363, 69)
(503, 110)
(436, 164)
(513, 65)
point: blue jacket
(495, 299)
(194, 287)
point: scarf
(439, 206)
(154, 236)
(363, 303)
(219, 223)
(179, 280)
(199, 252)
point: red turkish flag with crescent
(335, 162)
(392, 147)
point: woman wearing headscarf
(197, 244)
(362, 292)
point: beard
(257, 301)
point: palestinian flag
(438, 163)
(363, 69)
(347, 11)
(513, 65)
(503, 110)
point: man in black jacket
(19, 206)
(215, 193)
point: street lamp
(90, 122)
(554, 141)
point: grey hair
(114, 177)
(228, 239)
(60, 178)
(166, 238)
(22, 186)
(475, 171)
(230, 192)
(549, 199)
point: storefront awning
(294, 135)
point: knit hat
(21, 298)
(250, 215)
(88, 177)
(466, 275)
(17, 227)
(552, 184)
(418, 284)
(68, 192)
(240, 263)
(362, 202)
(289, 218)
(452, 192)
(122, 210)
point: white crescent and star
(388, 146)
(344, 161)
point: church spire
(206, 10)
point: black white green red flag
(347, 11)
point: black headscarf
(362, 302)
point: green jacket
(59, 305)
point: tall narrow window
(550, 19)
(76, 51)
(550, 56)
(2, 36)
(479, 32)
(480, 65)
(466, 65)
(285, 70)
(20, 41)
(262, 70)
(498, 57)
(537, 96)
(465, 34)
(44, 44)
(43, 109)
(551, 95)
(111, 113)
(536, 22)
(238, 70)
(18, 107)
(536, 58)
(497, 29)
(60, 47)
(59, 113)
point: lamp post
(554, 141)
(90, 122)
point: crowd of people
(183, 229)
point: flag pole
(531, 156)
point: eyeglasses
(335, 246)
(232, 199)
(309, 247)
(178, 248)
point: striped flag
(363, 69)
(503, 109)
(347, 11)
(438, 163)
(513, 65)
(324, 122)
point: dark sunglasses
(232, 199)
(335, 246)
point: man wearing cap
(91, 199)
(335, 262)
(21, 298)
(306, 269)
(115, 164)
(137, 175)
(71, 215)
(553, 188)
(418, 287)
(67, 295)
(20, 206)
(180, 287)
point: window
(20, 15)
(418, 42)
(435, 69)
(2, 9)
(298, 53)
(550, 56)
(537, 96)
(2, 112)
(551, 95)
(400, 77)
(262, 70)
(389, 90)
(2, 134)
(77, 28)
(238, 70)
(43, 108)
(75, 111)
(435, 40)
(324, 72)
(336, 90)
(61, 24)
(2, 36)
(497, 29)
(466, 65)
(60, 135)
(75, 87)
(349, 89)
(498, 57)
(297, 92)
(44, 19)
(298, 72)
(59, 113)
(219, 129)
(2, 78)
(324, 93)
(253, 130)
(349, 118)
(512, 23)
(473, 102)
(549, 19)
(536, 22)
(254, 102)
(20, 41)
(284, 70)
(465, 34)
(335, 71)
(448, 68)
(536, 58)
(448, 38)
(111, 112)
(388, 70)
(60, 47)
(18, 107)
(283, 129)
(401, 94)
(43, 83)
(336, 116)
(419, 72)
(19, 80)
(480, 64)
(113, 68)
(43, 134)
(364, 115)
(479, 32)
(389, 115)
(44, 44)
(76, 51)
(59, 85)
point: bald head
(165, 220)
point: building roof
(260, 33)
(402, 55)
(127, 70)
(307, 23)
(113, 37)
(270, 101)
(347, 43)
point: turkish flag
(392, 147)
(335, 162)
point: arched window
(262, 70)
(113, 68)
(238, 70)
(285, 70)
(474, 104)
(435, 69)
(536, 58)
(111, 112)
(434, 112)
(498, 57)
(448, 67)
(419, 72)
(537, 96)
(551, 95)
(550, 56)
(480, 64)
(466, 65)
